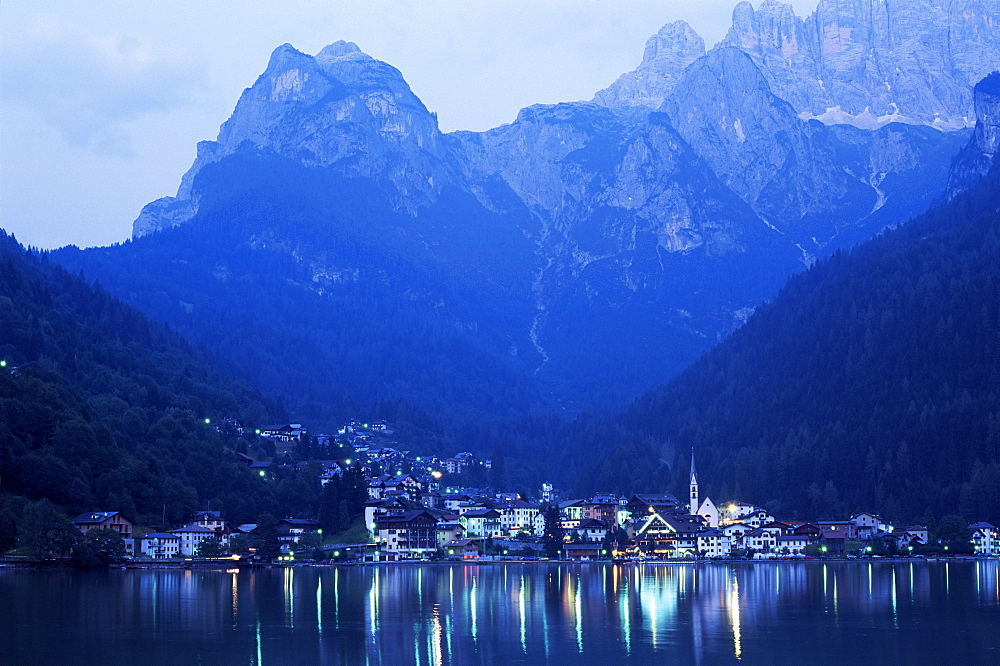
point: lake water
(788, 612)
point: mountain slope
(869, 383)
(865, 63)
(102, 409)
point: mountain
(667, 55)
(978, 155)
(869, 382)
(101, 409)
(334, 247)
(812, 182)
(341, 108)
(865, 63)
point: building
(985, 538)
(408, 535)
(106, 520)
(291, 531)
(191, 537)
(160, 545)
(482, 523)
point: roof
(665, 498)
(482, 513)
(160, 535)
(215, 515)
(94, 517)
(193, 528)
(592, 523)
(300, 522)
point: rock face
(808, 180)
(667, 55)
(872, 62)
(979, 155)
(588, 250)
(865, 63)
(340, 108)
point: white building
(160, 545)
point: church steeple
(694, 486)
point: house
(670, 536)
(482, 523)
(291, 531)
(603, 508)
(735, 532)
(837, 529)
(985, 538)
(641, 506)
(758, 518)
(211, 520)
(408, 535)
(517, 515)
(792, 544)
(283, 432)
(866, 525)
(592, 530)
(466, 549)
(911, 532)
(714, 543)
(760, 540)
(449, 528)
(160, 545)
(733, 512)
(571, 513)
(582, 552)
(191, 537)
(107, 520)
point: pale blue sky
(103, 102)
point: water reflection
(705, 613)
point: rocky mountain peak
(980, 153)
(339, 108)
(664, 60)
(987, 104)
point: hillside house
(408, 535)
(107, 520)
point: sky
(102, 102)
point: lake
(882, 612)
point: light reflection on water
(442, 614)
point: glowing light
(262, 473)
(208, 420)
(3, 364)
(348, 461)
(336, 553)
(436, 474)
(257, 431)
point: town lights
(207, 421)
(347, 462)
(436, 474)
(262, 473)
(336, 553)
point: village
(413, 514)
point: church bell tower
(694, 487)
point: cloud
(88, 84)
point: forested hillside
(871, 382)
(100, 409)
